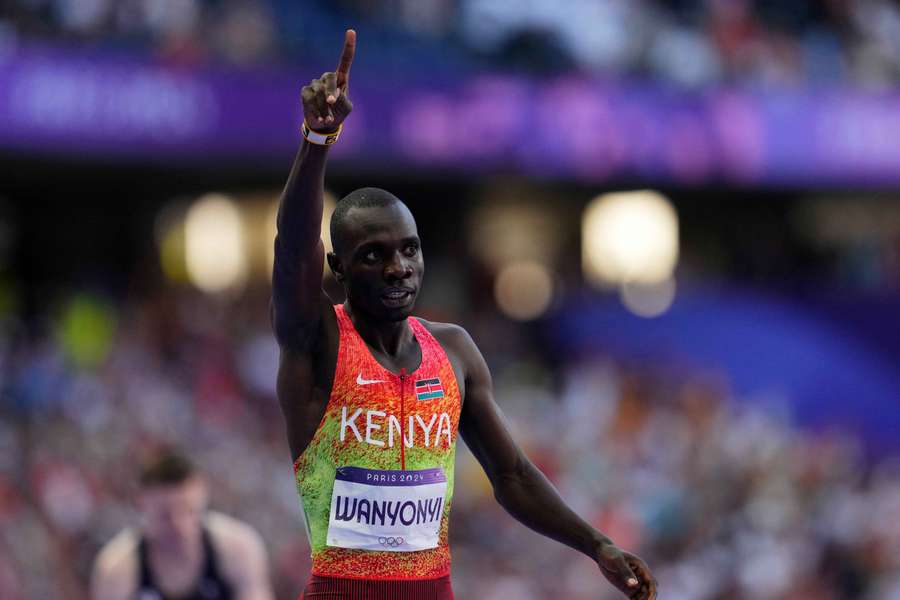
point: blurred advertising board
(59, 101)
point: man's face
(172, 513)
(381, 262)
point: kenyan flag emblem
(429, 389)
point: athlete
(374, 398)
(181, 550)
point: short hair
(166, 467)
(367, 197)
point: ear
(337, 269)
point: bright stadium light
(514, 224)
(215, 251)
(648, 299)
(523, 290)
(629, 237)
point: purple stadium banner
(109, 107)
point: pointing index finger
(343, 70)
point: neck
(387, 337)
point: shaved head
(368, 197)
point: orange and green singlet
(376, 480)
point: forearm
(297, 296)
(299, 254)
(529, 496)
(300, 211)
(325, 106)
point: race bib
(398, 511)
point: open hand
(325, 100)
(627, 572)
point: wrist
(321, 137)
(597, 544)
(323, 128)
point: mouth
(397, 297)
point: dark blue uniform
(210, 586)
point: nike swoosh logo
(361, 381)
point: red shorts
(334, 588)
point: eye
(411, 250)
(371, 256)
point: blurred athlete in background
(373, 397)
(181, 550)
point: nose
(397, 268)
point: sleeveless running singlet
(376, 480)
(210, 586)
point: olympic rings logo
(391, 541)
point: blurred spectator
(687, 42)
(179, 548)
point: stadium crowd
(723, 498)
(691, 43)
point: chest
(406, 362)
(383, 410)
(380, 412)
(168, 578)
(180, 574)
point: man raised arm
(301, 313)
(374, 398)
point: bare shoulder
(238, 545)
(115, 568)
(120, 553)
(460, 348)
(230, 533)
(449, 335)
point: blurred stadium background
(708, 371)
